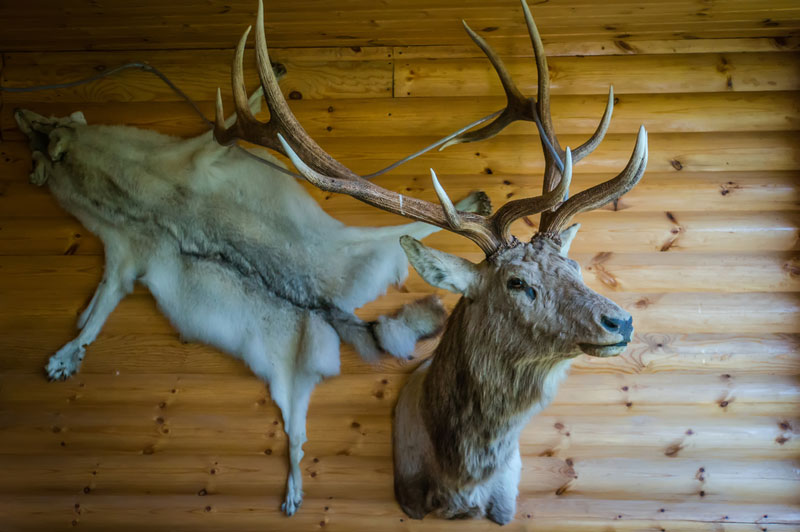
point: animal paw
(294, 498)
(65, 362)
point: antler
(284, 134)
(520, 107)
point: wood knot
(673, 449)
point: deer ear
(567, 235)
(438, 268)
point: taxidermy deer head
(237, 256)
(525, 311)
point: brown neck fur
(478, 386)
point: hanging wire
(153, 70)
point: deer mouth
(608, 350)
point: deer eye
(518, 284)
(515, 284)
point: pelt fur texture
(508, 344)
(237, 255)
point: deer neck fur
(482, 387)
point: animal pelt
(236, 255)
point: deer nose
(619, 326)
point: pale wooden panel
(605, 272)
(670, 480)
(681, 312)
(184, 427)
(710, 152)
(601, 231)
(741, 151)
(121, 349)
(572, 114)
(70, 26)
(657, 192)
(243, 396)
(593, 75)
(622, 46)
(690, 152)
(221, 513)
(420, 10)
(370, 117)
(316, 73)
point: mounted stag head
(525, 311)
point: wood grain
(694, 427)
(326, 115)
(593, 75)
(182, 25)
(190, 512)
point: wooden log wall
(695, 427)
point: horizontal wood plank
(358, 118)
(241, 395)
(671, 480)
(75, 27)
(593, 75)
(158, 422)
(605, 272)
(621, 46)
(129, 352)
(601, 232)
(326, 73)
(220, 513)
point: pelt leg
(295, 427)
(67, 360)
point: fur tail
(397, 334)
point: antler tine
(517, 104)
(281, 120)
(473, 226)
(514, 210)
(281, 114)
(447, 205)
(589, 146)
(603, 193)
(244, 118)
(542, 78)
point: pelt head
(47, 144)
(533, 294)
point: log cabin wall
(694, 427)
